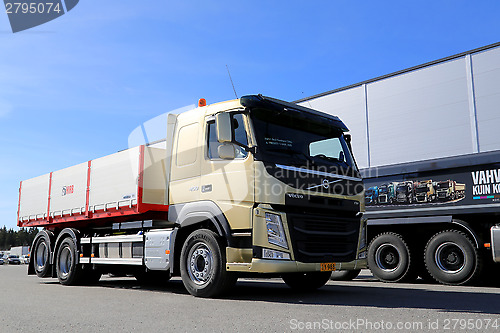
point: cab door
(229, 183)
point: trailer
(454, 104)
(249, 186)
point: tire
(203, 265)
(451, 258)
(345, 275)
(390, 260)
(41, 262)
(68, 271)
(306, 281)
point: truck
(20, 250)
(371, 195)
(454, 103)
(249, 186)
(450, 190)
(424, 191)
(405, 192)
(387, 193)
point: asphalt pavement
(121, 304)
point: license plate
(327, 266)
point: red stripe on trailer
(87, 195)
(140, 181)
(19, 204)
(48, 204)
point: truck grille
(323, 238)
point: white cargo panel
(155, 176)
(113, 184)
(113, 180)
(34, 198)
(69, 190)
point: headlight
(275, 231)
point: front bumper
(282, 266)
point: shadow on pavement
(379, 295)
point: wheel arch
(408, 227)
(192, 216)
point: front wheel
(203, 264)
(306, 281)
(451, 258)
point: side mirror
(226, 151)
(348, 138)
(224, 128)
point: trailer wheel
(203, 265)
(345, 275)
(41, 257)
(306, 281)
(389, 258)
(68, 271)
(451, 258)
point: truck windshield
(422, 189)
(295, 139)
(443, 186)
(401, 189)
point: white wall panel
(349, 106)
(486, 71)
(420, 115)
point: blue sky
(74, 88)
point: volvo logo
(326, 184)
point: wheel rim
(388, 257)
(200, 263)
(41, 255)
(450, 258)
(65, 262)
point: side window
(240, 135)
(213, 145)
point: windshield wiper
(331, 159)
(292, 152)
